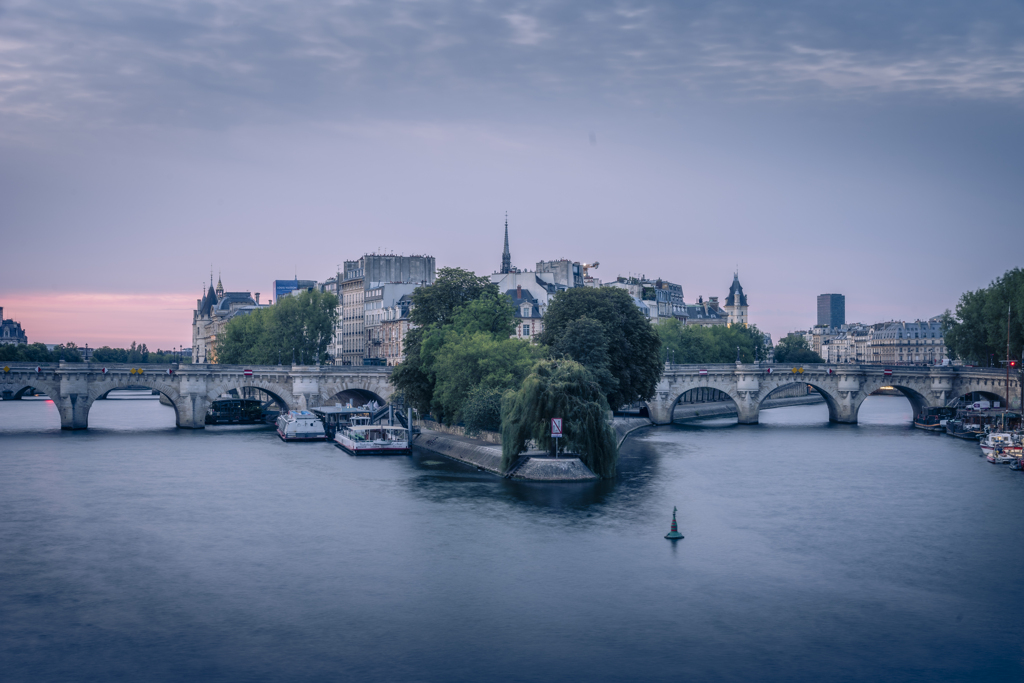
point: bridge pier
(192, 403)
(73, 401)
(190, 411)
(74, 410)
(748, 408)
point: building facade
(212, 314)
(389, 277)
(903, 343)
(395, 324)
(11, 331)
(375, 301)
(706, 313)
(282, 288)
(529, 314)
(831, 310)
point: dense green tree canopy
(296, 328)
(633, 347)
(38, 353)
(695, 344)
(137, 353)
(565, 389)
(977, 330)
(464, 351)
(452, 288)
(793, 348)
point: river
(872, 552)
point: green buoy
(674, 535)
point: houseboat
(934, 419)
(300, 425)
(360, 438)
(235, 411)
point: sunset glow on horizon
(104, 319)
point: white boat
(300, 425)
(1000, 458)
(366, 439)
(1000, 444)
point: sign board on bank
(556, 428)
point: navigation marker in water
(674, 535)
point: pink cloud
(100, 319)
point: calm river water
(136, 551)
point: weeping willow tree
(565, 389)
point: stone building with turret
(10, 331)
(211, 316)
(736, 303)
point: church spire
(506, 257)
(220, 287)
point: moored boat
(366, 439)
(934, 419)
(300, 425)
(1000, 443)
(1001, 458)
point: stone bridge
(191, 388)
(844, 387)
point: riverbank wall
(532, 465)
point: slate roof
(735, 289)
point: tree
(452, 288)
(977, 331)
(464, 362)
(482, 410)
(793, 348)
(585, 342)
(565, 389)
(446, 361)
(462, 344)
(296, 329)
(434, 307)
(634, 349)
(38, 353)
(696, 344)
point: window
(526, 330)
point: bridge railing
(163, 367)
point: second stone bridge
(844, 387)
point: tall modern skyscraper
(831, 310)
(506, 257)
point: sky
(872, 149)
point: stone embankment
(532, 466)
(624, 426)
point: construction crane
(587, 266)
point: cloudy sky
(869, 148)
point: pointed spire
(220, 287)
(506, 257)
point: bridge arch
(831, 401)
(703, 396)
(254, 391)
(357, 395)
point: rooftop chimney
(519, 293)
(257, 298)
